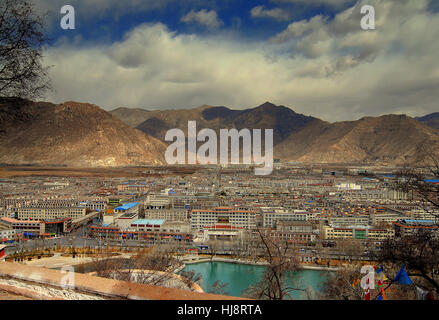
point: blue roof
(432, 180)
(419, 221)
(127, 206)
(149, 221)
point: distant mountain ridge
(431, 120)
(283, 120)
(390, 139)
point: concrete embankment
(193, 260)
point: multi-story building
(131, 207)
(357, 232)
(35, 228)
(132, 188)
(296, 231)
(125, 220)
(421, 214)
(152, 231)
(151, 225)
(95, 205)
(349, 220)
(379, 218)
(407, 227)
(175, 227)
(56, 226)
(7, 234)
(272, 215)
(167, 214)
(156, 201)
(236, 216)
(46, 213)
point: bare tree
(190, 277)
(154, 267)
(281, 258)
(22, 36)
(340, 285)
(418, 252)
(416, 181)
(218, 287)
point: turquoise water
(240, 276)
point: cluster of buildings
(306, 205)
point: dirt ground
(23, 171)
(4, 295)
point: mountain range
(84, 135)
(388, 139)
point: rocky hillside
(71, 134)
(391, 139)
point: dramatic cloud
(95, 9)
(300, 28)
(327, 67)
(335, 3)
(203, 17)
(277, 13)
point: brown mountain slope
(132, 117)
(282, 120)
(393, 139)
(71, 134)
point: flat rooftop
(127, 206)
(12, 220)
(128, 215)
(149, 221)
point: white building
(46, 213)
(235, 216)
(271, 215)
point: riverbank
(194, 260)
(234, 277)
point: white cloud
(203, 17)
(300, 28)
(276, 13)
(330, 69)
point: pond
(239, 277)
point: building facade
(237, 217)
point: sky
(310, 55)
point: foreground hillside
(71, 134)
